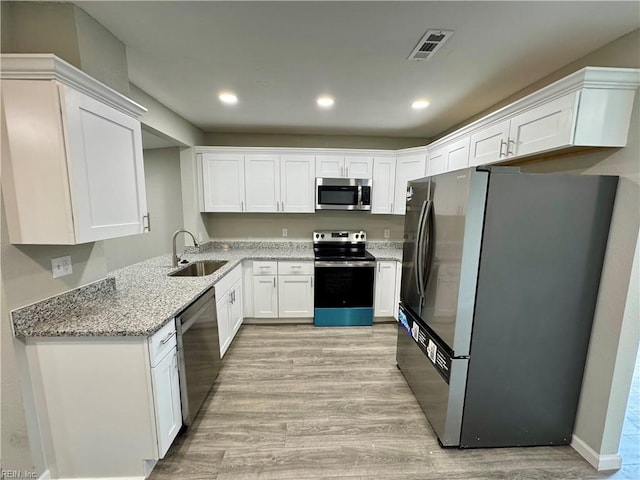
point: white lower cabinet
(265, 296)
(111, 404)
(385, 289)
(229, 307)
(166, 400)
(283, 289)
(295, 295)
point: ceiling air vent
(429, 44)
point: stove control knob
(317, 236)
(322, 235)
(357, 236)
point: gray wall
(164, 202)
(35, 27)
(63, 29)
(300, 226)
(67, 31)
(313, 141)
(615, 336)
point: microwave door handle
(359, 202)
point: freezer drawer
(438, 389)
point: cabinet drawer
(295, 268)
(162, 342)
(265, 268)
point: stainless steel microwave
(343, 194)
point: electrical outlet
(61, 266)
(285, 232)
(387, 233)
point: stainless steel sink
(199, 268)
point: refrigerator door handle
(427, 262)
(418, 267)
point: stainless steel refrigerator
(500, 275)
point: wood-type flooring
(299, 402)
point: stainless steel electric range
(344, 279)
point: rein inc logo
(8, 473)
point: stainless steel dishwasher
(199, 350)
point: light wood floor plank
(299, 402)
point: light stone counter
(138, 300)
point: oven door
(343, 293)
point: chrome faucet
(175, 258)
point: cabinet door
(265, 296)
(236, 308)
(106, 168)
(358, 167)
(458, 154)
(489, 145)
(546, 127)
(262, 183)
(408, 168)
(224, 323)
(297, 183)
(295, 296)
(223, 182)
(329, 166)
(385, 292)
(166, 400)
(437, 161)
(384, 173)
(396, 301)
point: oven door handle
(345, 264)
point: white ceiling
(279, 56)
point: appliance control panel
(340, 237)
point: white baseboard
(599, 462)
(46, 475)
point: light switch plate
(61, 266)
(285, 232)
(387, 233)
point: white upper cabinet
(71, 155)
(262, 183)
(243, 180)
(384, 175)
(358, 167)
(589, 108)
(332, 166)
(409, 166)
(297, 183)
(489, 145)
(448, 157)
(222, 182)
(329, 166)
(546, 127)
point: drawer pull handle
(296, 266)
(167, 338)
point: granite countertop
(139, 299)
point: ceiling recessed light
(419, 104)
(325, 101)
(228, 98)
